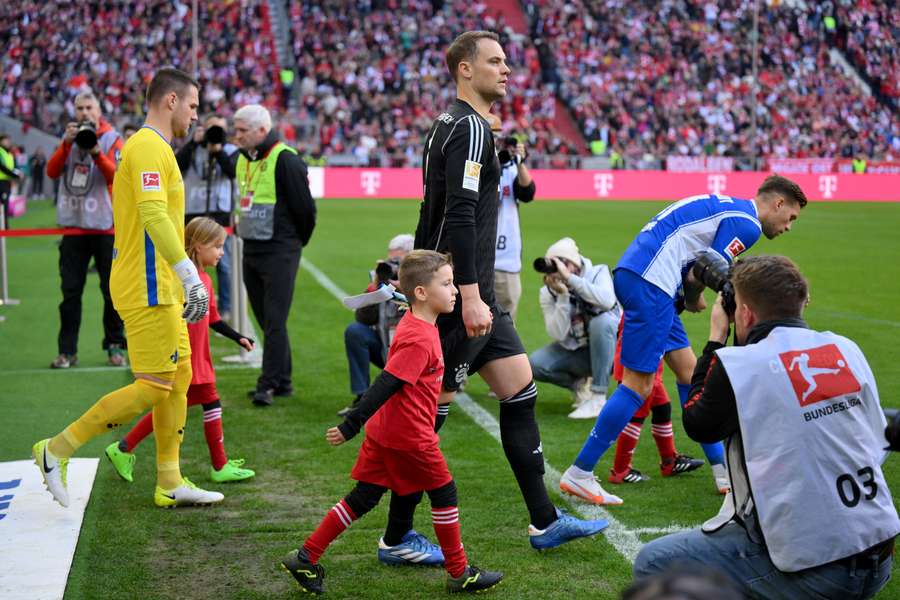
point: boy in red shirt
(400, 452)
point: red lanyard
(248, 176)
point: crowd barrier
(613, 185)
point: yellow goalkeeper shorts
(157, 337)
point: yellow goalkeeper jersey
(148, 172)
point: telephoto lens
(544, 265)
(214, 135)
(86, 137)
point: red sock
(665, 443)
(335, 522)
(141, 429)
(215, 439)
(446, 527)
(625, 446)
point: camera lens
(542, 265)
(86, 137)
(214, 135)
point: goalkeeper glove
(196, 298)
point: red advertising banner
(620, 185)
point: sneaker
(346, 410)
(117, 357)
(186, 494)
(473, 580)
(587, 488)
(231, 471)
(629, 476)
(122, 462)
(723, 483)
(263, 397)
(590, 408)
(53, 470)
(64, 361)
(564, 529)
(581, 391)
(680, 464)
(413, 549)
(310, 577)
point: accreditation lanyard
(247, 182)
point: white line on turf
(48, 370)
(624, 540)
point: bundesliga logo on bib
(819, 374)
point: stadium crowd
(52, 50)
(675, 78)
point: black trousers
(75, 254)
(5, 191)
(269, 279)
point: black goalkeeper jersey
(461, 174)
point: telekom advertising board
(614, 185)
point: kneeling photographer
(582, 315)
(798, 409)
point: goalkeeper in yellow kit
(154, 287)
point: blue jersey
(669, 244)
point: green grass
(128, 548)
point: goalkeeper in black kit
(461, 174)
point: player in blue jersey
(649, 279)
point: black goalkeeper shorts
(465, 356)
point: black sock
(522, 444)
(400, 517)
(443, 412)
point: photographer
(368, 338)
(207, 165)
(798, 409)
(516, 185)
(581, 313)
(86, 160)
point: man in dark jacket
(276, 218)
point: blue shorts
(651, 327)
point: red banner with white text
(615, 185)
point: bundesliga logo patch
(735, 247)
(819, 374)
(471, 176)
(150, 181)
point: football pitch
(129, 548)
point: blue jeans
(363, 347)
(223, 273)
(732, 552)
(554, 364)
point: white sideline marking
(125, 370)
(624, 540)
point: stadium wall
(613, 185)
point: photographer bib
(84, 199)
(509, 237)
(813, 442)
(256, 181)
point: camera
(86, 136)
(507, 151)
(214, 135)
(544, 265)
(714, 272)
(892, 431)
(387, 271)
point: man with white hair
(86, 159)
(276, 219)
(368, 338)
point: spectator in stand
(86, 162)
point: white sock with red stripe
(339, 518)
(446, 527)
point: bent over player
(151, 277)
(401, 451)
(649, 277)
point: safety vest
(256, 181)
(9, 161)
(859, 165)
(84, 200)
(221, 192)
(808, 458)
